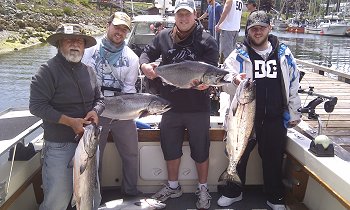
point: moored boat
(280, 25)
(295, 28)
(312, 30)
(296, 25)
(333, 25)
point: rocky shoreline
(24, 23)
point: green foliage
(55, 12)
(22, 7)
(84, 3)
(266, 5)
(68, 11)
(70, 1)
(42, 2)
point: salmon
(86, 186)
(182, 75)
(239, 127)
(134, 105)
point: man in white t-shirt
(229, 26)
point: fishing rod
(315, 147)
(330, 102)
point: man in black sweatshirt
(190, 107)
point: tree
(266, 5)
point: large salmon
(183, 74)
(86, 188)
(134, 105)
(239, 127)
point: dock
(335, 124)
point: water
(17, 68)
(330, 51)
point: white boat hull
(335, 30)
(312, 30)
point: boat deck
(253, 199)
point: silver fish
(239, 127)
(183, 74)
(86, 185)
(134, 105)
(133, 204)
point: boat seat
(11, 127)
(143, 39)
(140, 41)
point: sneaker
(276, 206)
(204, 198)
(225, 201)
(167, 192)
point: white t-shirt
(232, 21)
(265, 53)
(122, 75)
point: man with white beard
(65, 94)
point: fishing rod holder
(330, 102)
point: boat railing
(19, 127)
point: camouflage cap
(120, 18)
(258, 18)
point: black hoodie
(199, 46)
(268, 76)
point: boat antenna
(163, 5)
(132, 8)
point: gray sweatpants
(125, 137)
(228, 41)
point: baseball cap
(258, 18)
(185, 4)
(70, 30)
(120, 18)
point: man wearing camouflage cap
(271, 64)
(116, 66)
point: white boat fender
(324, 140)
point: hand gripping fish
(239, 127)
(86, 186)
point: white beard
(73, 56)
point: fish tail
(225, 176)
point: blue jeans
(57, 176)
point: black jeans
(271, 136)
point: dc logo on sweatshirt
(265, 69)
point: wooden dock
(335, 124)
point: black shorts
(172, 130)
